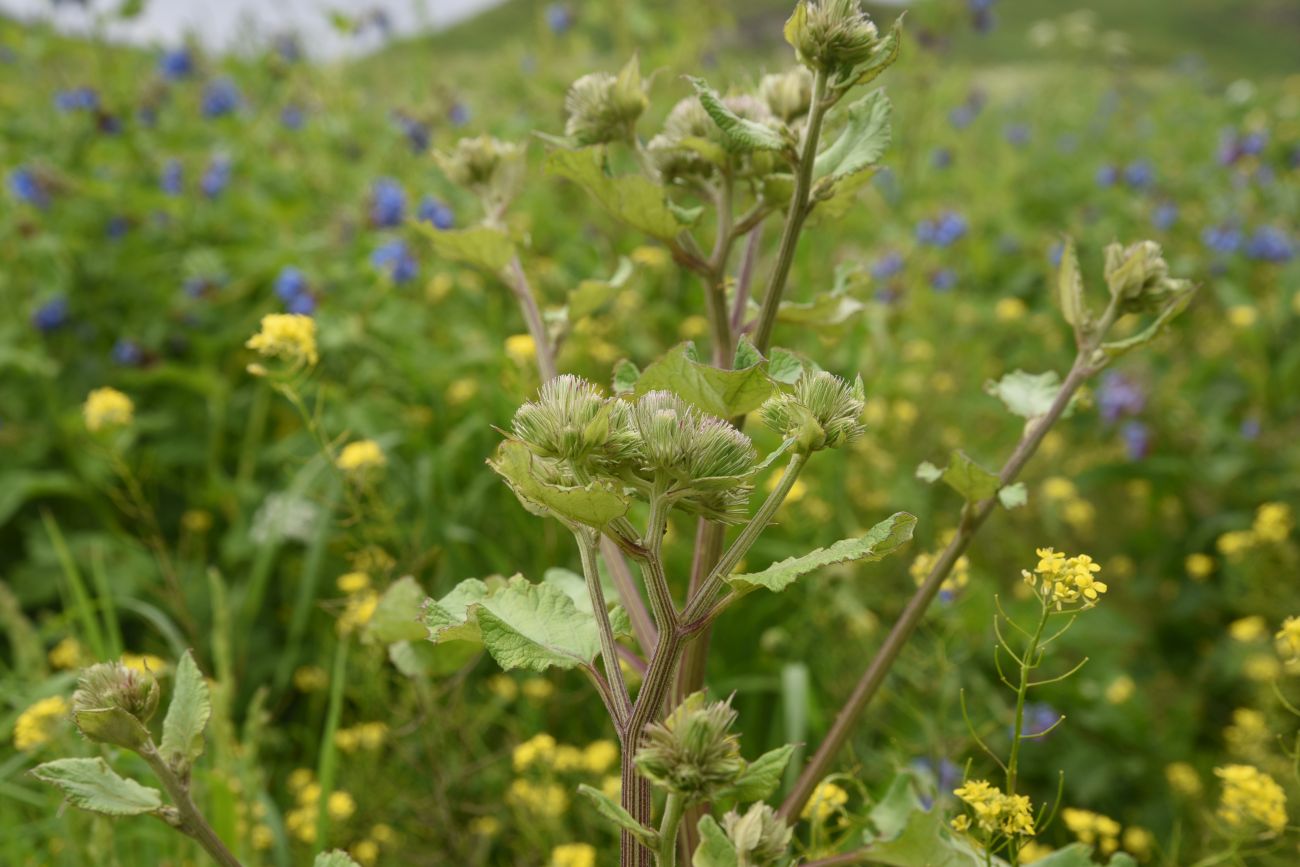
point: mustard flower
(1288, 639)
(107, 408)
(826, 800)
(360, 456)
(1092, 828)
(289, 336)
(537, 750)
(36, 725)
(1251, 799)
(1273, 522)
(994, 811)
(573, 855)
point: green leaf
(723, 393)
(877, 543)
(861, 143)
(625, 376)
(336, 858)
(480, 246)
(904, 834)
(92, 785)
(882, 58)
(633, 199)
(784, 366)
(969, 479)
(928, 472)
(1080, 855)
(187, 717)
(620, 817)
(747, 355)
(1028, 395)
(835, 199)
(760, 778)
(1118, 348)
(1069, 287)
(1013, 496)
(112, 725)
(591, 295)
(594, 504)
(575, 587)
(420, 659)
(826, 309)
(397, 616)
(738, 134)
(523, 625)
(715, 849)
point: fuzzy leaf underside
(877, 543)
(92, 785)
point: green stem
(608, 651)
(794, 219)
(674, 807)
(189, 821)
(1026, 665)
(327, 764)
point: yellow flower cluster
(1251, 798)
(290, 336)
(361, 456)
(1288, 640)
(368, 736)
(520, 348)
(542, 751)
(1272, 526)
(1199, 566)
(361, 602)
(545, 800)
(36, 726)
(145, 663)
(107, 408)
(1248, 734)
(1092, 828)
(1062, 580)
(1076, 511)
(301, 820)
(67, 654)
(573, 855)
(310, 678)
(826, 800)
(957, 579)
(1183, 779)
(366, 851)
(994, 810)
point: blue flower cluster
(387, 204)
(221, 97)
(436, 213)
(77, 99)
(293, 289)
(394, 258)
(943, 231)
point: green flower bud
(788, 94)
(1139, 277)
(760, 836)
(831, 36)
(687, 120)
(823, 412)
(692, 752)
(113, 703)
(603, 107)
(571, 420)
(492, 169)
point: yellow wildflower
(1273, 522)
(301, 823)
(651, 257)
(196, 521)
(1251, 798)
(600, 756)
(262, 838)
(363, 736)
(107, 408)
(360, 608)
(503, 686)
(1058, 488)
(1288, 639)
(567, 758)
(1248, 734)
(290, 336)
(995, 811)
(462, 391)
(145, 663)
(353, 582)
(1010, 309)
(573, 855)
(1120, 690)
(1183, 779)
(957, 578)
(360, 456)
(537, 750)
(68, 653)
(310, 678)
(612, 787)
(36, 725)
(365, 853)
(1139, 842)
(340, 806)
(521, 348)
(693, 326)
(1247, 629)
(1235, 542)
(538, 688)
(547, 800)
(485, 826)
(1092, 828)
(1199, 566)
(299, 779)
(1261, 667)
(1079, 513)
(825, 801)
(1060, 580)
(1242, 315)
(1033, 851)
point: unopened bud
(823, 412)
(603, 107)
(787, 94)
(571, 420)
(831, 36)
(113, 703)
(692, 753)
(487, 166)
(1139, 277)
(760, 836)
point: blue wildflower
(221, 97)
(77, 99)
(1039, 718)
(1223, 238)
(559, 17)
(28, 187)
(1118, 395)
(293, 117)
(887, 265)
(1107, 176)
(1269, 244)
(1252, 143)
(1055, 252)
(172, 178)
(303, 304)
(52, 315)
(1250, 428)
(963, 115)
(176, 64)
(1164, 216)
(943, 231)
(1137, 439)
(395, 259)
(416, 133)
(1139, 174)
(1017, 134)
(127, 353)
(943, 279)
(436, 212)
(290, 283)
(216, 177)
(288, 48)
(459, 114)
(387, 203)
(941, 158)
(116, 227)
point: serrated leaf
(575, 587)
(620, 817)
(397, 616)
(738, 134)
(969, 479)
(448, 618)
(1013, 496)
(747, 355)
(480, 246)
(625, 376)
(715, 850)
(928, 472)
(1118, 348)
(861, 143)
(1028, 395)
(876, 544)
(187, 716)
(633, 199)
(92, 785)
(336, 858)
(760, 778)
(882, 58)
(832, 200)
(594, 504)
(723, 393)
(1069, 286)
(784, 366)
(112, 725)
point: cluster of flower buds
(760, 836)
(788, 95)
(601, 107)
(823, 412)
(1139, 277)
(693, 752)
(659, 442)
(491, 169)
(691, 146)
(832, 36)
(114, 703)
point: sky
(228, 25)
